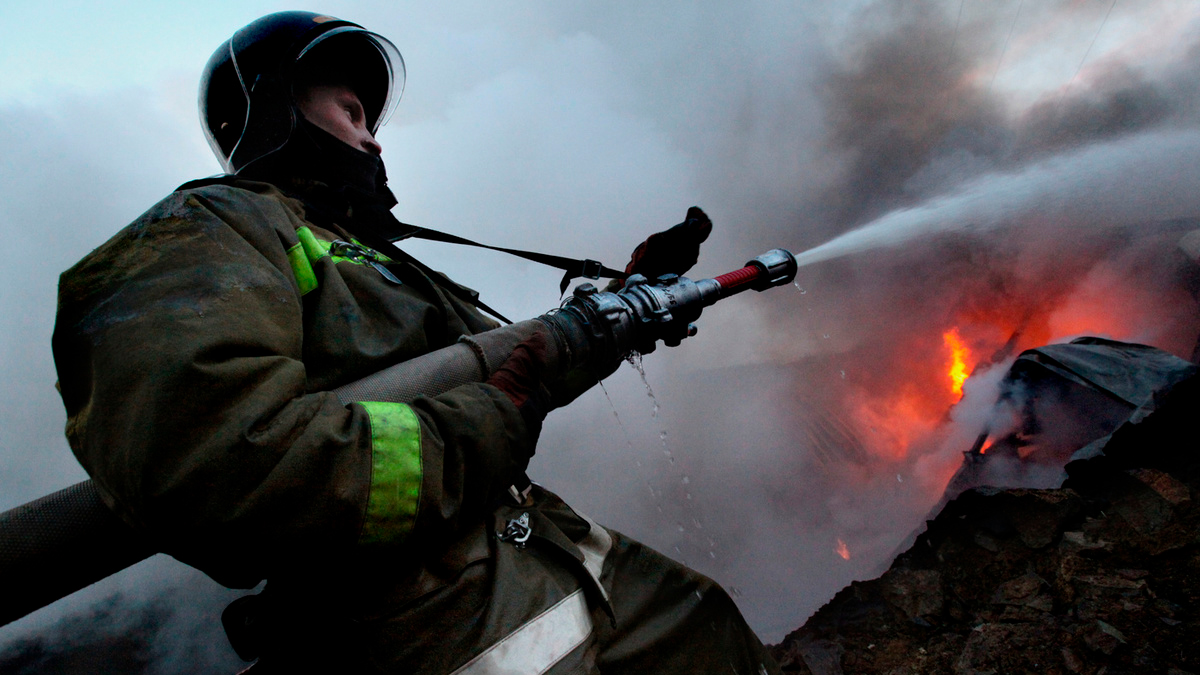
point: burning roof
(1092, 576)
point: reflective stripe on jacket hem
(395, 472)
(539, 643)
(595, 547)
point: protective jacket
(196, 352)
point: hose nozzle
(773, 268)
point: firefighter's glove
(672, 251)
(520, 377)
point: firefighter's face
(336, 109)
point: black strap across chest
(573, 268)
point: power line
(957, 22)
(1093, 44)
(1005, 50)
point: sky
(579, 130)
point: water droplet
(620, 424)
(843, 374)
(685, 480)
(712, 555)
(735, 591)
(635, 360)
(689, 496)
(681, 527)
(797, 285)
(899, 479)
(825, 335)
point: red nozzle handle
(773, 268)
(739, 280)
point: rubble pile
(1099, 577)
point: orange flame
(842, 550)
(959, 354)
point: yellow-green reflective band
(306, 278)
(310, 250)
(313, 248)
(396, 472)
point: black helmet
(246, 99)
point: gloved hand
(671, 251)
(520, 377)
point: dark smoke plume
(774, 449)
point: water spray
(1145, 178)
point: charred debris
(1098, 576)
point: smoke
(1144, 178)
(950, 203)
(947, 203)
(985, 175)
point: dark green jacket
(196, 351)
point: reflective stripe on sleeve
(539, 643)
(395, 472)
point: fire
(894, 422)
(842, 550)
(959, 354)
(898, 392)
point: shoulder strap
(468, 296)
(572, 268)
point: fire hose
(67, 540)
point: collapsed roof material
(1128, 372)
(1059, 403)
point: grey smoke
(580, 131)
(1148, 177)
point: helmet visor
(382, 80)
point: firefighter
(197, 352)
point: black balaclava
(345, 185)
